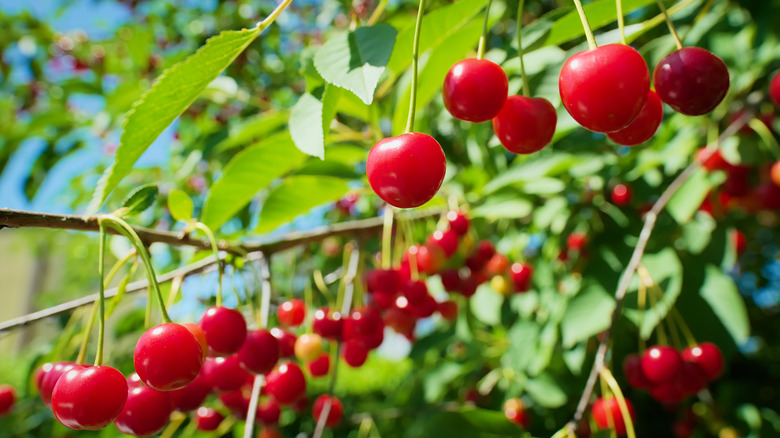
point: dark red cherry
(475, 90)
(286, 384)
(268, 412)
(632, 370)
(51, 374)
(415, 292)
(292, 312)
(669, 392)
(383, 280)
(622, 195)
(644, 125)
(448, 309)
(459, 222)
(363, 321)
(146, 412)
(708, 356)
(447, 240)
(450, 279)
(89, 398)
(207, 419)
(7, 399)
(225, 330)
(691, 80)
(479, 258)
(224, 373)
(768, 196)
(604, 89)
(354, 353)
(525, 124)
(692, 379)
(661, 363)
(237, 401)
(335, 413)
(774, 89)
(286, 342)
(168, 357)
(260, 352)
(406, 170)
(521, 276)
(468, 286)
(400, 320)
(424, 309)
(327, 324)
(191, 396)
(606, 413)
(320, 366)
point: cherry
(89, 398)
(692, 379)
(199, 334)
(268, 412)
(502, 285)
(286, 342)
(423, 309)
(715, 160)
(577, 241)
(739, 241)
(362, 321)
(260, 352)
(146, 412)
(7, 399)
(774, 89)
(40, 373)
(406, 170)
(308, 347)
(459, 222)
(605, 88)
(606, 412)
(51, 374)
(622, 194)
(468, 286)
(708, 356)
(428, 258)
(382, 300)
(691, 80)
(669, 392)
(774, 172)
(768, 196)
(383, 280)
(415, 292)
(168, 357)
(446, 240)
(207, 419)
(327, 324)
(286, 384)
(320, 366)
(525, 124)
(450, 279)
(521, 276)
(335, 413)
(191, 396)
(400, 320)
(632, 370)
(134, 380)
(292, 312)
(475, 90)
(448, 310)
(237, 401)
(645, 124)
(514, 410)
(354, 353)
(479, 258)
(270, 432)
(225, 330)
(737, 180)
(661, 363)
(224, 373)
(497, 265)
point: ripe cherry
(711, 160)
(225, 374)
(354, 353)
(146, 412)
(423, 309)
(459, 222)
(669, 392)
(691, 80)
(415, 292)
(622, 194)
(207, 419)
(708, 356)
(774, 173)
(521, 276)
(645, 124)
(268, 412)
(292, 312)
(479, 258)
(692, 378)
(497, 265)
(446, 240)
(260, 352)
(286, 342)
(632, 370)
(320, 366)
(286, 384)
(661, 363)
(89, 398)
(448, 309)
(335, 413)
(308, 347)
(450, 279)
(327, 324)
(475, 90)
(400, 320)
(383, 280)
(774, 89)
(406, 170)
(225, 330)
(606, 413)
(51, 374)
(604, 89)
(739, 241)
(768, 196)
(199, 334)
(514, 410)
(428, 258)
(7, 399)
(191, 396)
(167, 357)
(576, 241)
(525, 124)
(270, 432)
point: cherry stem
(669, 23)
(606, 374)
(215, 249)
(621, 24)
(387, 237)
(483, 38)
(689, 338)
(585, 26)
(101, 297)
(526, 87)
(274, 15)
(265, 295)
(380, 8)
(415, 55)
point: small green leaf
(138, 200)
(587, 314)
(489, 309)
(522, 345)
(546, 391)
(438, 380)
(721, 294)
(471, 423)
(297, 195)
(306, 126)
(355, 60)
(180, 205)
(505, 204)
(689, 197)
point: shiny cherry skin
(200, 335)
(576, 241)
(459, 222)
(363, 321)
(146, 412)
(268, 412)
(691, 80)
(622, 195)
(191, 396)
(774, 89)
(51, 374)
(168, 357)
(260, 352)
(327, 324)
(407, 170)
(447, 240)
(320, 366)
(521, 274)
(207, 419)
(354, 353)
(415, 292)
(383, 280)
(225, 373)
(604, 89)
(661, 363)
(292, 313)
(89, 398)
(7, 399)
(708, 356)
(286, 384)
(308, 347)
(286, 342)
(335, 413)
(514, 410)
(632, 371)
(475, 90)
(525, 124)
(606, 411)
(225, 330)
(428, 258)
(644, 125)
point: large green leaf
(253, 129)
(489, 309)
(522, 345)
(297, 195)
(587, 314)
(170, 95)
(247, 173)
(306, 126)
(720, 292)
(355, 60)
(180, 205)
(471, 423)
(600, 13)
(505, 204)
(546, 391)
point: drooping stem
(274, 15)
(621, 23)
(585, 25)
(669, 23)
(101, 298)
(483, 38)
(526, 87)
(415, 56)
(220, 268)
(387, 238)
(607, 376)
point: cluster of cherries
(607, 414)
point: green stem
(274, 15)
(483, 38)
(387, 238)
(215, 249)
(526, 87)
(585, 25)
(669, 23)
(415, 55)
(101, 298)
(621, 24)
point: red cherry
(475, 90)
(308, 347)
(774, 172)
(286, 342)
(774, 89)
(514, 410)
(354, 353)
(415, 292)
(320, 366)
(497, 265)
(692, 379)
(645, 124)
(604, 89)
(335, 413)
(40, 373)
(89, 398)
(199, 334)
(224, 373)
(622, 194)
(134, 380)
(448, 310)
(446, 240)
(237, 401)
(286, 384)
(269, 432)
(450, 279)
(669, 392)
(479, 258)
(260, 352)
(7, 399)
(525, 124)
(268, 412)
(691, 80)
(715, 160)
(327, 324)
(739, 241)
(661, 364)
(577, 241)
(459, 222)
(606, 411)
(51, 374)
(146, 412)
(382, 300)
(521, 276)
(383, 280)
(400, 320)
(708, 356)
(225, 330)
(429, 258)
(768, 196)
(406, 170)
(424, 309)
(363, 321)
(737, 180)
(207, 419)
(468, 285)
(632, 370)
(191, 396)
(168, 357)
(292, 312)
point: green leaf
(437, 380)
(470, 423)
(546, 391)
(600, 13)
(297, 195)
(505, 204)
(575, 358)
(306, 126)
(180, 205)
(721, 294)
(253, 130)
(138, 200)
(489, 309)
(689, 197)
(522, 345)
(587, 314)
(170, 95)
(355, 60)
(250, 171)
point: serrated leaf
(170, 95)
(720, 292)
(297, 195)
(546, 391)
(180, 205)
(306, 126)
(587, 314)
(138, 200)
(250, 171)
(355, 60)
